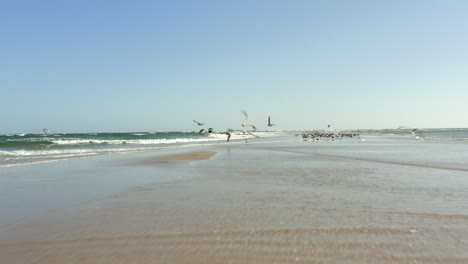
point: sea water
(20, 149)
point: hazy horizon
(39, 131)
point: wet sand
(201, 155)
(386, 201)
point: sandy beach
(387, 200)
(201, 155)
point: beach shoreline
(287, 202)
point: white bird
(418, 137)
(244, 124)
(413, 132)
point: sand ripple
(303, 245)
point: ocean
(20, 149)
(426, 133)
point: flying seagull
(413, 132)
(198, 123)
(228, 135)
(269, 123)
(246, 118)
(244, 124)
(416, 130)
(45, 130)
(250, 133)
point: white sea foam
(21, 156)
(67, 148)
(135, 141)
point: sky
(116, 66)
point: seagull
(250, 133)
(244, 124)
(228, 135)
(45, 130)
(413, 132)
(269, 123)
(416, 136)
(246, 118)
(198, 123)
(244, 132)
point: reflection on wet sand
(257, 205)
(201, 155)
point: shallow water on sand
(385, 200)
(32, 190)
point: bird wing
(251, 134)
(245, 115)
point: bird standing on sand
(269, 123)
(198, 123)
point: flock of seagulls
(328, 135)
(315, 135)
(318, 135)
(245, 123)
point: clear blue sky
(78, 66)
